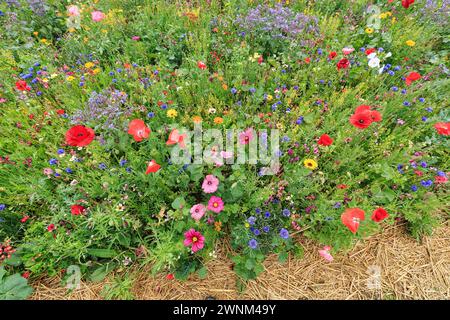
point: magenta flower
(210, 184)
(198, 211)
(98, 16)
(246, 136)
(215, 204)
(135, 38)
(194, 238)
(325, 253)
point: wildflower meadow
(152, 133)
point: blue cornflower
(424, 119)
(441, 174)
(251, 220)
(285, 139)
(128, 169)
(429, 109)
(253, 244)
(39, 93)
(286, 212)
(406, 103)
(164, 106)
(422, 100)
(111, 73)
(414, 188)
(256, 232)
(395, 89)
(319, 51)
(60, 151)
(296, 88)
(427, 183)
(299, 120)
(53, 161)
(122, 162)
(68, 170)
(400, 169)
(397, 68)
(266, 229)
(150, 114)
(2, 206)
(233, 90)
(267, 214)
(337, 205)
(391, 73)
(404, 91)
(252, 90)
(423, 164)
(258, 210)
(284, 233)
(102, 166)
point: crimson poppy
(138, 129)
(413, 76)
(343, 64)
(22, 85)
(361, 120)
(443, 128)
(407, 3)
(325, 140)
(152, 167)
(379, 214)
(352, 217)
(369, 51)
(332, 55)
(77, 209)
(201, 65)
(79, 136)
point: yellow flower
(410, 43)
(71, 29)
(89, 64)
(310, 164)
(269, 97)
(389, 13)
(70, 78)
(172, 113)
(96, 70)
(218, 226)
(104, 31)
(369, 30)
(247, 225)
(43, 40)
(383, 15)
(45, 80)
(35, 33)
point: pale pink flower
(347, 50)
(210, 184)
(194, 238)
(73, 11)
(98, 16)
(325, 253)
(246, 136)
(198, 211)
(215, 204)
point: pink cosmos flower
(194, 238)
(198, 211)
(246, 136)
(73, 11)
(135, 38)
(325, 253)
(210, 184)
(215, 204)
(347, 50)
(98, 16)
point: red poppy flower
(369, 51)
(361, 120)
(332, 55)
(170, 276)
(24, 219)
(76, 209)
(343, 64)
(26, 274)
(22, 85)
(79, 136)
(60, 111)
(152, 167)
(138, 129)
(342, 186)
(51, 228)
(351, 218)
(376, 116)
(413, 76)
(439, 179)
(325, 140)
(379, 214)
(307, 60)
(443, 128)
(201, 65)
(407, 3)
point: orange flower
(218, 120)
(197, 119)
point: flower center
(194, 239)
(361, 121)
(215, 204)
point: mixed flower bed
(98, 99)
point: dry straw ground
(409, 270)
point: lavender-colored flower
(253, 244)
(37, 6)
(284, 233)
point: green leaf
(282, 257)
(102, 253)
(101, 272)
(13, 287)
(178, 203)
(202, 273)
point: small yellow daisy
(410, 43)
(172, 113)
(310, 164)
(369, 30)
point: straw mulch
(408, 270)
